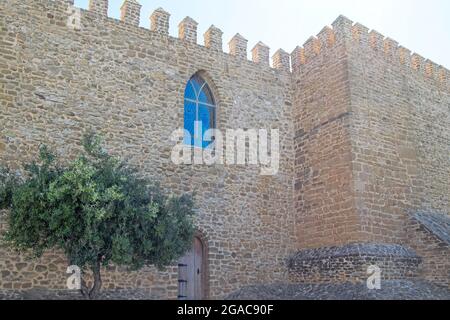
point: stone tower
(364, 133)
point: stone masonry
(364, 140)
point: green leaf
(96, 208)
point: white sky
(419, 25)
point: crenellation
(326, 37)
(261, 54)
(390, 46)
(404, 56)
(371, 175)
(392, 50)
(99, 7)
(376, 40)
(159, 21)
(298, 58)
(446, 77)
(134, 76)
(312, 47)
(187, 30)
(443, 75)
(436, 68)
(213, 38)
(343, 28)
(238, 46)
(281, 60)
(430, 69)
(360, 33)
(417, 62)
(130, 12)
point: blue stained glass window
(189, 93)
(199, 111)
(189, 121)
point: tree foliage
(98, 210)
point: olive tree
(97, 210)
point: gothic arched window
(199, 111)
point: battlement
(398, 54)
(187, 31)
(346, 32)
(363, 129)
(342, 31)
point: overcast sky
(419, 25)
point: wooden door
(192, 273)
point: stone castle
(364, 139)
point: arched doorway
(192, 270)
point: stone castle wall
(401, 145)
(372, 132)
(324, 196)
(128, 84)
(401, 134)
(372, 148)
(364, 129)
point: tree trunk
(84, 289)
(97, 281)
(92, 294)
